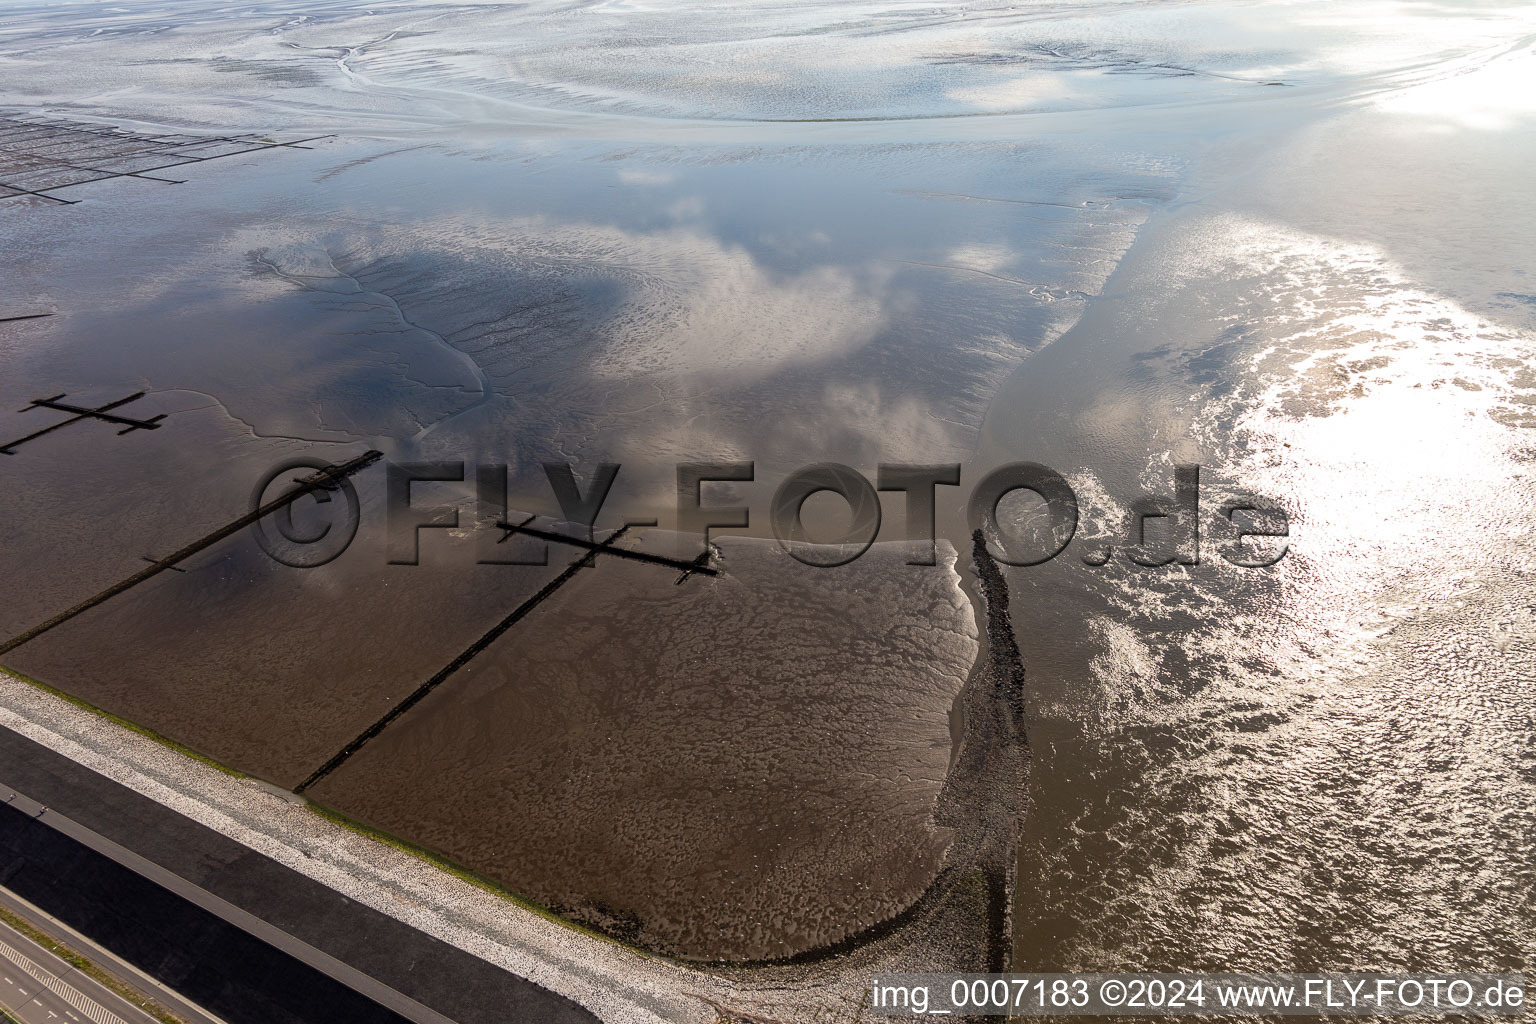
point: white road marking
(85, 1004)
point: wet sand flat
(1285, 242)
(737, 768)
(271, 670)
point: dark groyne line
(986, 795)
(176, 150)
(325, 479)
(463, 659)
(697, 566)
(1003, 656)
(81, 414)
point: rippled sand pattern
(717, 769)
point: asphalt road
(37, 987)
(384, 996)
(293, 919)
(106, 959)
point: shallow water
(1283, 242)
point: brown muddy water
(1286, 243)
